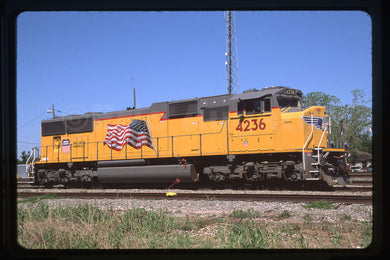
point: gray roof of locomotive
(229, 100)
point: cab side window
(254, 106)
(267, 105)
(240, 108)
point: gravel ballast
(215, 208)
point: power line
(26, 142)
(62, 111)
(32, 120)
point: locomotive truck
(252, 137)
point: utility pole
(231, 52)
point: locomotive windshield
(289, 101)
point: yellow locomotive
(253, 136)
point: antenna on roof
(130, 108)
(134, 98)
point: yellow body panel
(275, 132)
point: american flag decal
(136, 135)
(318, 122)
(65, 146)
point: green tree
(358, 126)
(23, 157)
(318, 98)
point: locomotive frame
(253, 136)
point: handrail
(303, 149)
(85, 152)
(27, 166)
(318, 148)
(32, 162)
(49, 148)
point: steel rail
(351, 175)
(359, 174)
(350, 188)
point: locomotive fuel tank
(147, 174)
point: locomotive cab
(289, 140)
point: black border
(10, 9)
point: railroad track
(365, 198)
(353, 175)
(361, 182)
(360, 174)
(348, 188)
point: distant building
(21, 171)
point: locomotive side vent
(79, 125)
(183, 109)
(53, 128)
(70, 126)
(216, 113)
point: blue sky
(84, 61)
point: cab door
(56, 147)
(250, 130)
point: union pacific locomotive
(251, 137)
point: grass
(250, 213)
(35, 199)
(322, 204)
(247, 235)
(285, 214)
(88, 227)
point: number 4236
(253, 124)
